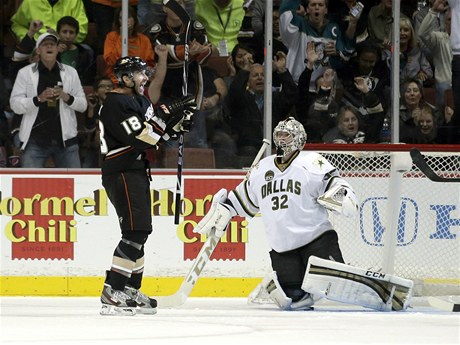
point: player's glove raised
(177, 116)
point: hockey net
(423, 243)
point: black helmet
(127, 66)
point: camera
(357, 9)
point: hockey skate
(116, 302)
(145, 304)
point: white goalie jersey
(286, 195)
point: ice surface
(219, 321)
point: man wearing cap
(47, 94)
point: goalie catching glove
(340, 198)
(218, 216)
(169, 120)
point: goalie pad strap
(354, 285)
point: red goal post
(407, 225)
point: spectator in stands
(222, 20)
(79, 56)
(258, 15)
(296, 31)
(340, 12)
(49, 12)
(138, 44)
(426, 128)
(242, 58)
(150, 12)
(259, 34)
(88, 133)
(24, 50)
(317, 111)
(171, 32)
(347, 130)
(455, 42)
(246, 100)
(104, 12)
(48, 94)
(380, 22)
(246, 34)
(411, 103)
(214, 92)
(366, 86)
(439, 44)
(413, 62)
(438, 25)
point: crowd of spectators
(332, 62)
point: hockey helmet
(289, 136)
(127, 66)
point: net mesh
(427, 245)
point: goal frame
(401, 164)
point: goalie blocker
(353, 285)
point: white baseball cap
(45, 36)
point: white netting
(427, 245)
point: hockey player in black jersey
(129, 124)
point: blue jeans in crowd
(35, 156)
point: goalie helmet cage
(422, 217)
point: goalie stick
(444, 304)
(181, 295)
(419, 161)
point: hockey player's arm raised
(168, 120)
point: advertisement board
(59, 231)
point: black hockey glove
(177, 116)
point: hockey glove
(177, 116)
(218, 216)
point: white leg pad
(275, 291)
(353, 285)
(270, 291)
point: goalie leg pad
(271, 287)
(275, 291)
(353, 285)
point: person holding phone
(342, 11)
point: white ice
(219, 321)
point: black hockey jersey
(121, 118)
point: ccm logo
(375, 274)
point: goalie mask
(127, 66)
(289, 136)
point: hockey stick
(181, 295)
(442, 304)
(419, 161)
(185, 18)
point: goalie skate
(116, 302)
(145, 304)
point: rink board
(59, 231)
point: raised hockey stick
(181, 295)
(185, 18)
(419, 161)
(444, 304)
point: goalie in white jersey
(293, 191)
